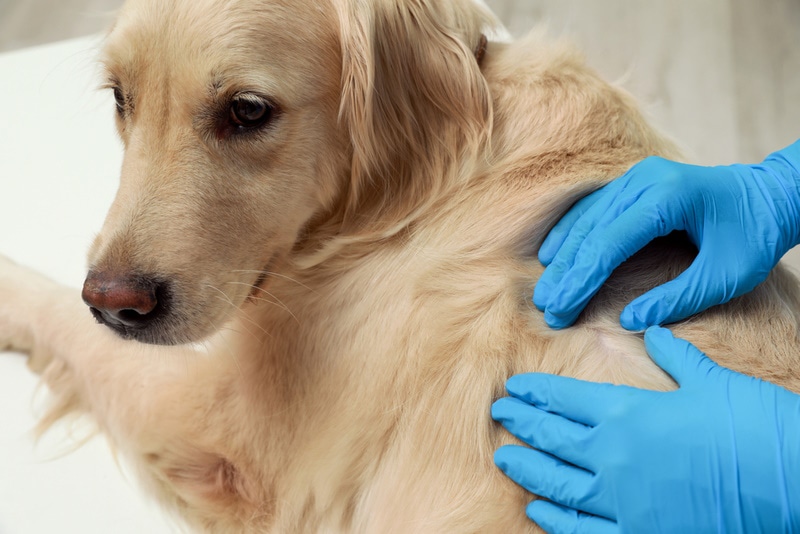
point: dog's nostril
(123, 301)
(131, 315)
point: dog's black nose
(124, 303)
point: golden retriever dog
(316, 275)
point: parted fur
(359, 272)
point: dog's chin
(162, 332)
(165, 337)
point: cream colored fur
(396, 204)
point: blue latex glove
(742, 218)
(720, 454)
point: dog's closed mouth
(257, 285)
(257, 288)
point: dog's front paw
(22, 296)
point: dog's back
(406, 341)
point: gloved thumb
(679, 358)
(688, 294)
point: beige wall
(720, 76)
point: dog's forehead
(221, 35)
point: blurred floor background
(722, 77)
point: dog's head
(250, 125)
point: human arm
(720, 454)
(742, 218)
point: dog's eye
(119, 98)
(250, 111)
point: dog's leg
(163, 407)
(22, 293)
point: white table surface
(59, 167)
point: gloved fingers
(602, 251)
(683, 361)
(543, 430)
(606, 204)
(552, 478)
(587, 403)
(544, 291)
(592, 207)
(700, 286)
(558, 234)
(557, 519)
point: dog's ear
(413, 100)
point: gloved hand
(742, 218)
(720, 454)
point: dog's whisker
(250, 321)
(226, 299)
(218, 290)
(278, 275)
(226, 346)
(278, 302)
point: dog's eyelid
(254, 97)
(110, 83)
(111, 73)
(114, 83)
(241, 113)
